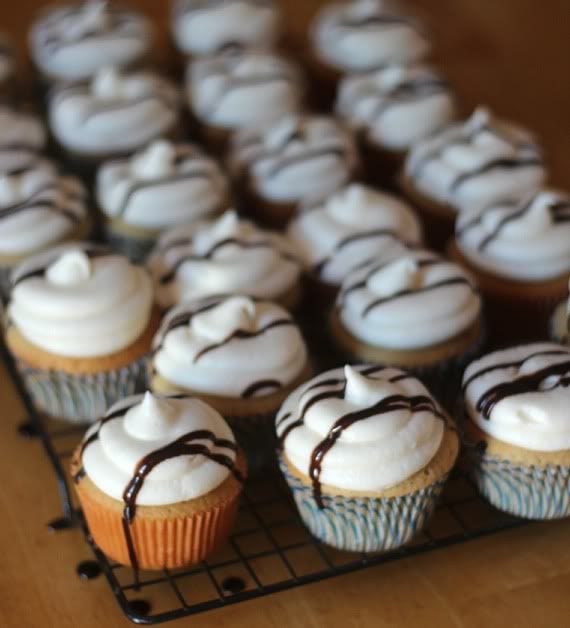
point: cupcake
(71, 43)
(296, 160)
(472, 165)
(159, 480)
(227, 256)
(7, 69)
(391, 110)
(177, 178)
(113, 115)
(516, 406)
(79, 327)
(361, 36)
(235, 90)
(38, 209)
(351, 227)
(419, 311)
(520, 255)
(366, 452)
(241, 356)
(22, 139)
(201, 28)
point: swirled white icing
(387, 446)
(366, 35)
(415, 301)
(7, 61)
(164, 185)
(38, 209)
(478, 163)
(114, 114)
(353, 226)
(22, 137)
(527, 241)
(142, 425)
(521, 396)
(77, 301)
(229, 346)
(296, 159)
(228, 256)
(73, 42)
(397, 106)
(204, 27)
(234, 90)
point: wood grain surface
(512, 55)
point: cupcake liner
(81, 398)
(136, 249)
(364, 524)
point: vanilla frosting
(22, 137)
(296, 159)
(38, 209)
(234, 90)
(7, 61)
(383, 423)
(397, 106)
(411, 302)
(227, 256)
(478, 163)
(527, 241)
(72, 42)
(366, 35)
(164, 185)
(202, 27)
(80, 301)
(114, 113)
(142, 427)
(229, 346)
(521, 396)
(353, 226)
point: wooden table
(511, 55)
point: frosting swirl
(360, 428)
(527, 241)
(203, 27)
(114, 113)
(366, 35)
(80, 301)
(234, 90)
(476, 164)
(414, 301)
(296, 159)
(397, 106)
(22, 137)
(229, 346)
(521, 396)
(351, 227)
(180, 179)
(228, 256)
(72, 42)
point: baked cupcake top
(397, 106)
(202, 27)
(177, 178)
(361, 428)
(241, 89)
(74, 41)
(227, 256)
(414, 301)
(478, 163)
(38, 208)
(353, 226)
(296, 159)
(7, 60)
(521, 396)
(229, 346)
(114, 113)
(365, 35)
(80, 301)
(527, 241)
(22, 137)
(152, 451)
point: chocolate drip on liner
(502, 164)
(264, 384)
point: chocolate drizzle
(496, 164)
(265, 384)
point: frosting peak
(234, 314)
(71, 268)
(93, 16)
(155, 162)
(361, 390)
(401, 274)
(107, 84)
(152, 419)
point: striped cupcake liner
(364, 524)
(81, 398)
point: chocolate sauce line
(99, 108)
(374, 20)
(407, 93)
(271, 384)
(47, 205)
(286, 162)
(501, 164)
